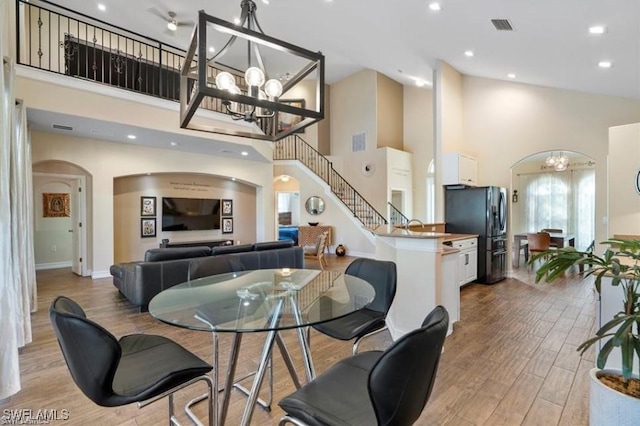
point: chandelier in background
(235, 79)
(558, 162)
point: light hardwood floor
(510, 361)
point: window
(563, 200)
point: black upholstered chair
(370, 320)
(137, 368)
(374, 388)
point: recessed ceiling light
(233, 179)
(174, 143)
(102, 7)
(244, 153)
(597, 29)
(435, 6)
(265, 1)
(420, 83)
(131, 136)
(511, 75)
(605, 64)
(236, 21)
(212, 49)
(469, 53)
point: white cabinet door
(472, 265)
(459, 169)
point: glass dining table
(261, 301)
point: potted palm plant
(614, 394)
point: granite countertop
(456, 237)
(391, 231)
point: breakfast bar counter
(421, 279)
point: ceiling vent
(502, 24)
(62, 127)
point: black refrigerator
(481, 211)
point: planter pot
(608, 407)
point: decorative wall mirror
(314, 205)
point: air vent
(62, 127)
(502, 24)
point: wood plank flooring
(510, 361)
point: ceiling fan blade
(185, 23)
(162, 15)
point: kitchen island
(427, 275)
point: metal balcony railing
(59, 40)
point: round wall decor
(368, 168)
(637, 182)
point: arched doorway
(60, 237)
(546, 195)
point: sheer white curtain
(560, 200)
(17, 266)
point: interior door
(77, 229)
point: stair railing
(293, 147)
(396, 217)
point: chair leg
(356, 344)
(287, 419)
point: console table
(209, 243)
(307, 235)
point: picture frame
(285, 120)
(55, 204)
(147, 227)
(147, 206)
(227, 225)
(227, 207)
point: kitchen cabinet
(459, 169)
(467, 260)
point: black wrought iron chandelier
(235, 80)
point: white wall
(106, 161)
(418, 140)
(505, 122)
(624, 166)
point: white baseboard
(361, 254)
(95, 275)
(53, 265)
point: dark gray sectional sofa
(165, 267)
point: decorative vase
(340, 250)
(608, 406)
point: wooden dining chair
(552, 231)
(538, 242)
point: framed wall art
(55, 204)
(147, 206)
(227, 225)
(147, 227)
(227, 207)
(286, 120)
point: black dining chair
(370, 320)
(374, 387)
(138, 368)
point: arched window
(560, 200)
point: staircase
(396, 217)
(293, 147)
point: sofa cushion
(270, 245)
(213, 265)
(174, 253)
(231, 249)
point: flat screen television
(190, 214)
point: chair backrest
(552, 230)
(401, 381)
(540, 241)
(382, 275)
(91, 352)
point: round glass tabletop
(247, 301)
